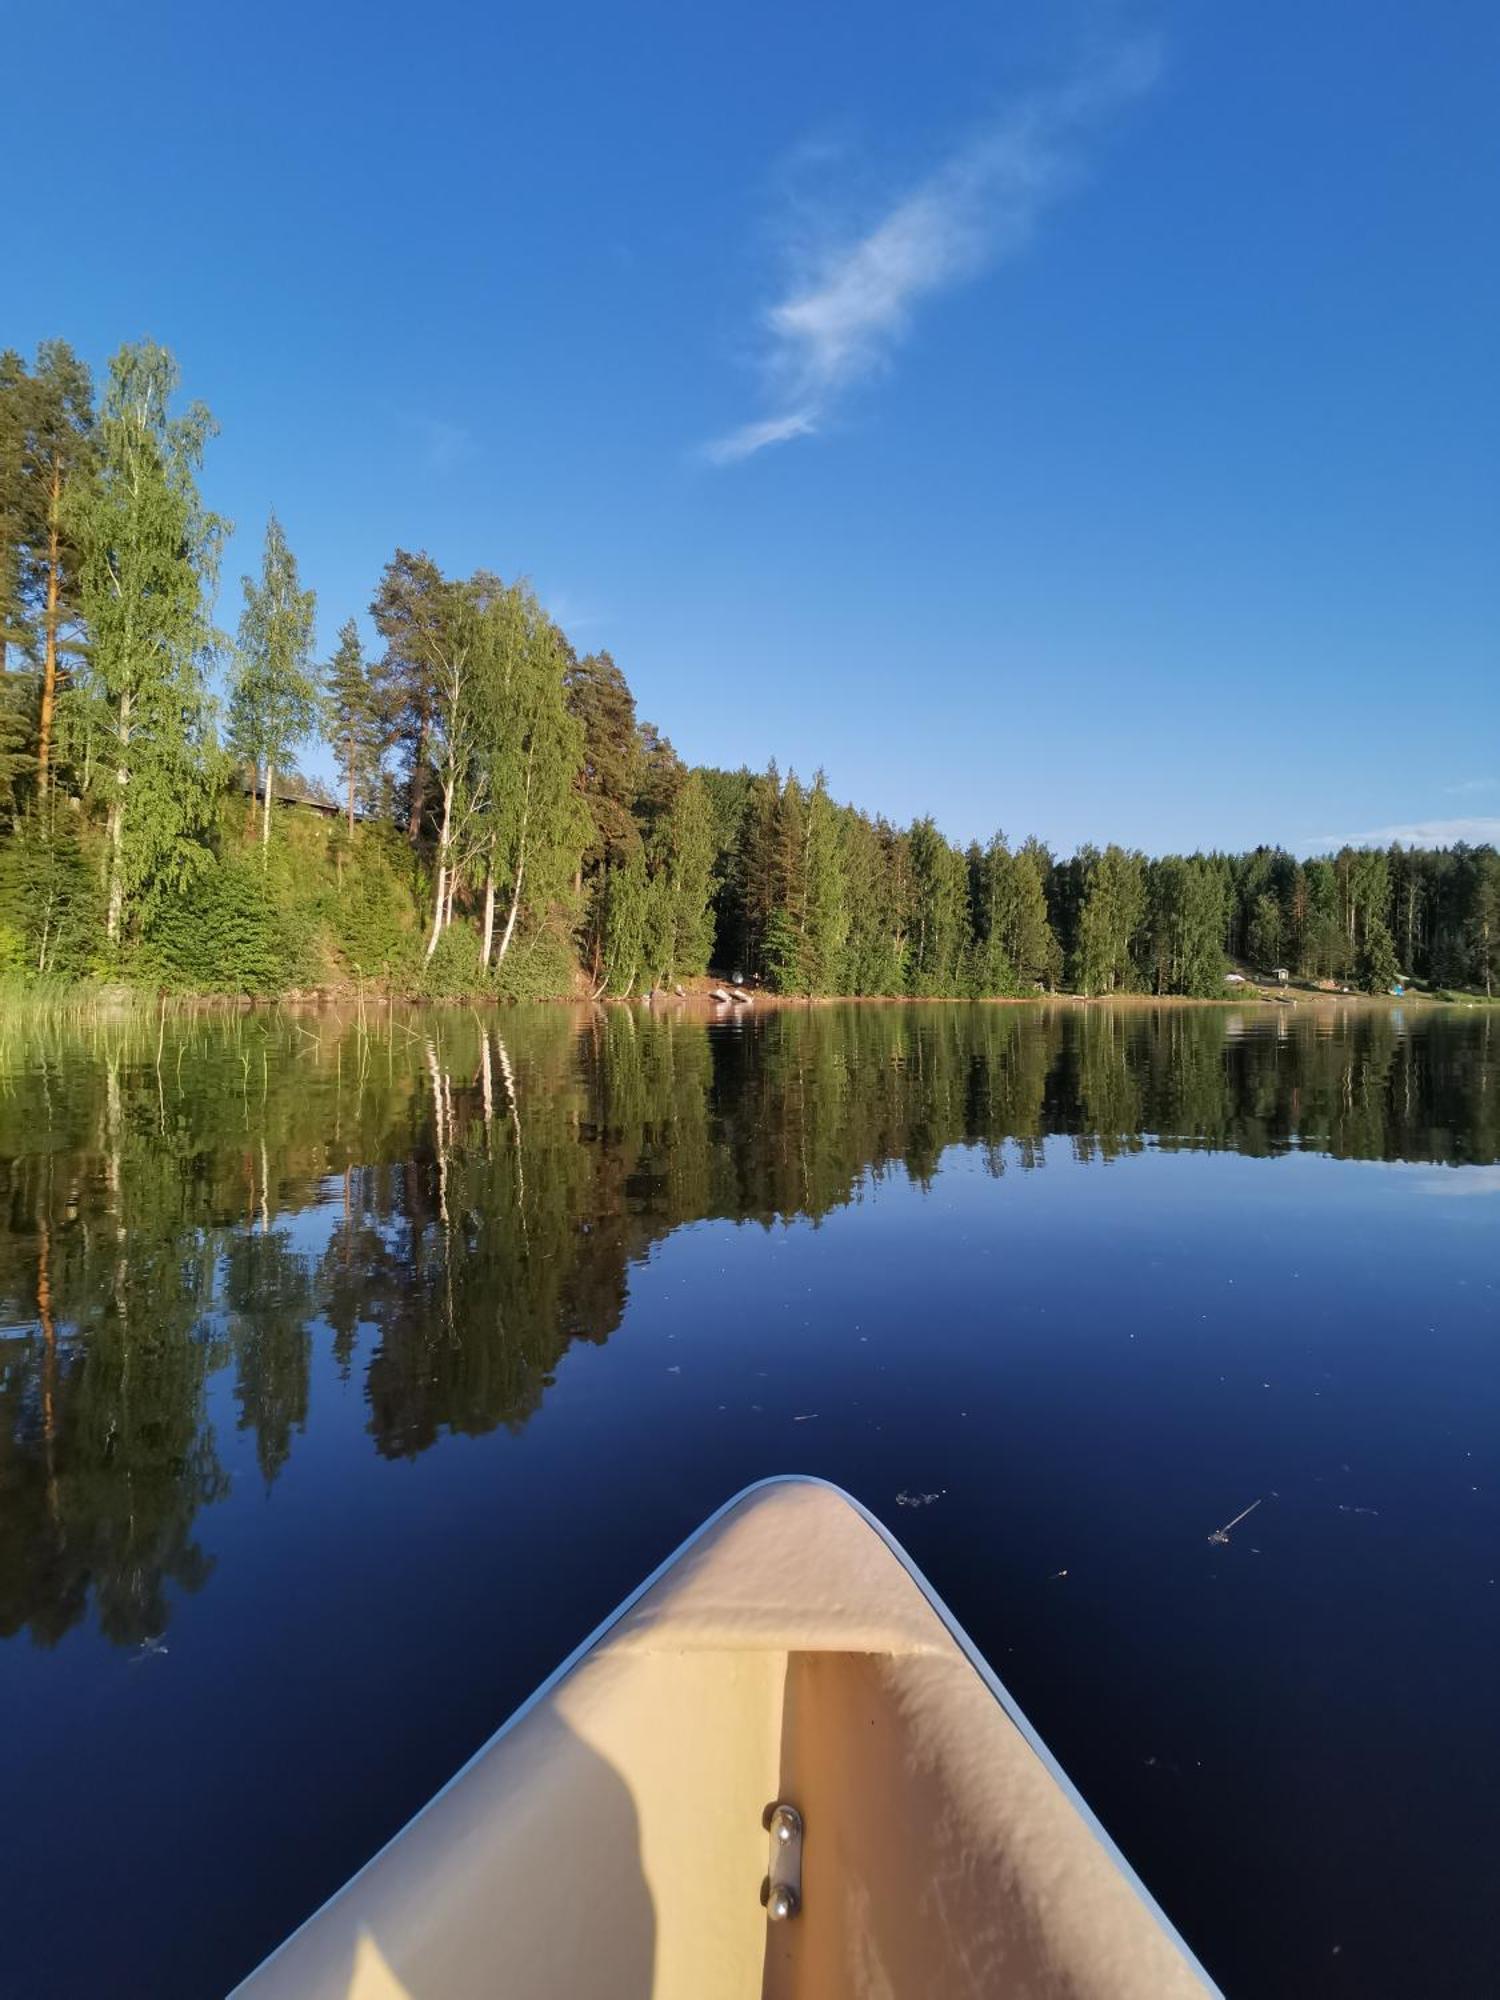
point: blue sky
(1080, 418)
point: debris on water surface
(148, 1650)
(1056, 1574)
(811, 1414)
(905, 1499)
(1359, 1510)
(1222, 1534)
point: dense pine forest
(503, 822)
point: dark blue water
(350, 1372)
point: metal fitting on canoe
(783, 1890)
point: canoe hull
(609, 1841)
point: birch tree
(530, 749)
(273, 702)
(451, 639)
(148, 559)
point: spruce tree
(408, 610)
(825, 903)
(1379, 968)
(1032, 943)
(354, 726)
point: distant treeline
(503, 821)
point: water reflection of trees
(447, 1203)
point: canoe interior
(610, 1840)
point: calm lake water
(349, 1373)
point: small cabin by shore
(292, 790)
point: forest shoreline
(504, 824)
(91, 1001)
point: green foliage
(1110, 915)
(18, 736)
(939, 928)
(625, 902)
(1482, 925)
(825, 900)
(1185, 917)
(530, 828)
(227, 933)
(1379, 968)
(782, 954)
(679, 927)
(353, 722)
(370, 909)
(451, 970)
(541, 964)
(50, 902)
(1265, 940)
(273, 696)
(599, 698)
(149, 551)
(535, 836)
(408, 610)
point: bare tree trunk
(50, 624)
(437, 910)
(487, 940)
(351, 793)
(417, 798)
(440, 900)
(515, 905)
(116, 915)
(515, 899)
(265, 818)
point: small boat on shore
(780, 1769)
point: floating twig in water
(1222, 1534)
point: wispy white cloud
(1472, 788)
(1418, 833)
(751, 438)
(850, 302)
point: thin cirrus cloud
(851, 303)
(1477, 832)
